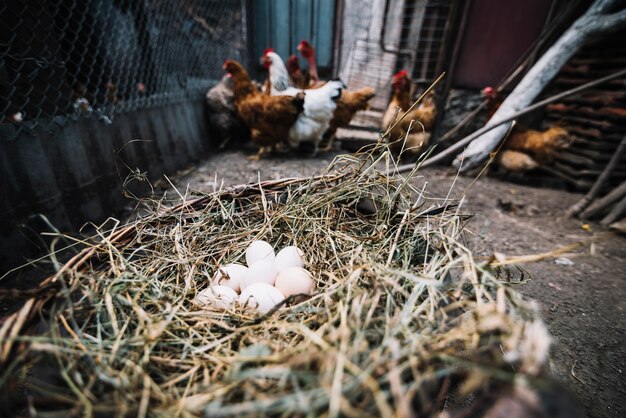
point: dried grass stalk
(402, 315)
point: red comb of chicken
(305, 48)
(489, 92)
(401, 74)
(304, 44)
(268, 50)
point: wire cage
(410, 35)
(65, 59)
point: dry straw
(402, 317)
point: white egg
(257, 251)
(235, 272)
(263, 271)
(219, 296)
(294, 281)
(289, 257)
(261, 296)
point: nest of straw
(402, 318)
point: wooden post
(601, 205)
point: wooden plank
(592, 144)
(576, 173)
(594, 155)
(141, 131)
(576, 81)
(74, 173)
(600, 100)
(585, 132)
(34, 170)
(576, 120)
(614, 113)
(73, 157)
(608, 60)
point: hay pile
(403, 315)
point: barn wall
(498, 33)
(362, 23)
(362, 61)
(360, 20)
(74, 174)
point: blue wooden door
(282, 24)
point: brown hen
(268, 117)
(410, 135)
(348, 104)
(539, 146)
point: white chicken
(319, 103)
(278, 74)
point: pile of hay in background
(404, 321)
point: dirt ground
(582, 295)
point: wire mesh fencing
(405, 34)
(62, 60)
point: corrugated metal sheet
(74, 174)
(282, 24)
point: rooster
(278, 77)
(540, 147)
(409, 135)
(270, 118)
(267, 85)
(319, 104)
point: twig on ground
(600, 182)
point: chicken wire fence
(66, 59)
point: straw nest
(404, 321)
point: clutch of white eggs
(268, 279)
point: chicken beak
(265, 61)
